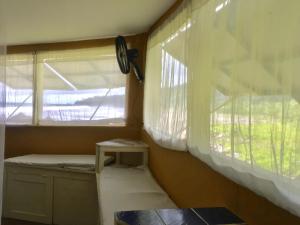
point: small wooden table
(191, 216)
(119, 146)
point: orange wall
(191, 183)
(61, 140)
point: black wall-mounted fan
(127, 57)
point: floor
(6, 221)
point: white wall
(2, 99)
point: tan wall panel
(257, 210)
(66, 45)
(61, 140)
(191, 183)
(135, 89)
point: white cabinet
(28, 196)
(75, 200)
(51, 196)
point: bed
(121, 187)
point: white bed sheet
(128, 189)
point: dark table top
(191, 216)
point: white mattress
(81, 162)
(128, 189)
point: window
(71, 87)
(241, 101)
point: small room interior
(150, 112)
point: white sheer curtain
(67, 87)
(242, 93)
(166, 82)
(19, 88)
(244, 112)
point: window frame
(37, 89)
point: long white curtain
(166, 82)
(242, 95)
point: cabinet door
(75, 200)
(28, 196)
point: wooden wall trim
(135, 89)
(165, 16)
(68, 45)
